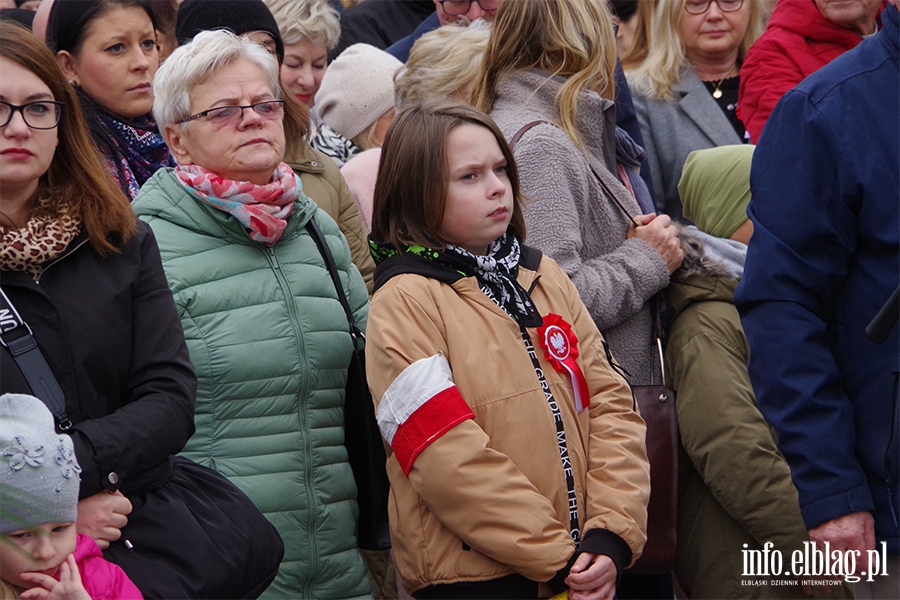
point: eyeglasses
(455, 8)
(229, 116)
(698, 7)
(43, 114)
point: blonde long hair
(571, 38)
(640, 46)
(666, 61)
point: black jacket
(110, 332)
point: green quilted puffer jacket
(270, 345)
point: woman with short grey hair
(267, 334)
(198, 62)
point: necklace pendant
(717, 93)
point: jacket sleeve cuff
(97, 472)
(603, 541)
(825, 509)
(557, 584)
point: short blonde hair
(315, 20)
(571, 38)
(666, 61)
(441, 62)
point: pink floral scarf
(263, 209)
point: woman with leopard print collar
(87, 279)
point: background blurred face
(479, 193)
(248, 151)
(25, 153)
(116, 62)
(303, 68)
(473, 12)
(713, 35)
(264, 39)
(35, 549)
(625, 36)
(858, 15)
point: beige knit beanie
(358, 87)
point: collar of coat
(415, 261)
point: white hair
(315, 20)
(197, 61)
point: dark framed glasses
(43, 114)
(460, 7)
(698, 7)
(222, 116)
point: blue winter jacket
(824, 258)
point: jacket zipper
(303, 416)
(61, 258)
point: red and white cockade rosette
(561, 348)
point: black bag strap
(317, 236)
(16, 335)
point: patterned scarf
(496, 273)
(263, 209)
(134, 150)
(330, 142)
(41, 240)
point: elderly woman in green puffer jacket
(267, 335)
(734, 488)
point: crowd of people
(531, 208)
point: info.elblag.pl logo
(814, 562)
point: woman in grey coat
(685, 92)
(580, 214)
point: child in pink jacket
(41, 554)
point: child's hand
(69, 586)
(592, 577)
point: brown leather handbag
(657, 406)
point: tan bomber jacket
(461, 405)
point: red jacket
(798, 41)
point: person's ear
(69, 66)
(175, 140)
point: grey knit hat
(39, 478)
(357, 89)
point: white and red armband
(420, 406)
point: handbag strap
(16, 335)
(316, 234)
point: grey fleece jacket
(571, 219)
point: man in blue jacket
(824, 258)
